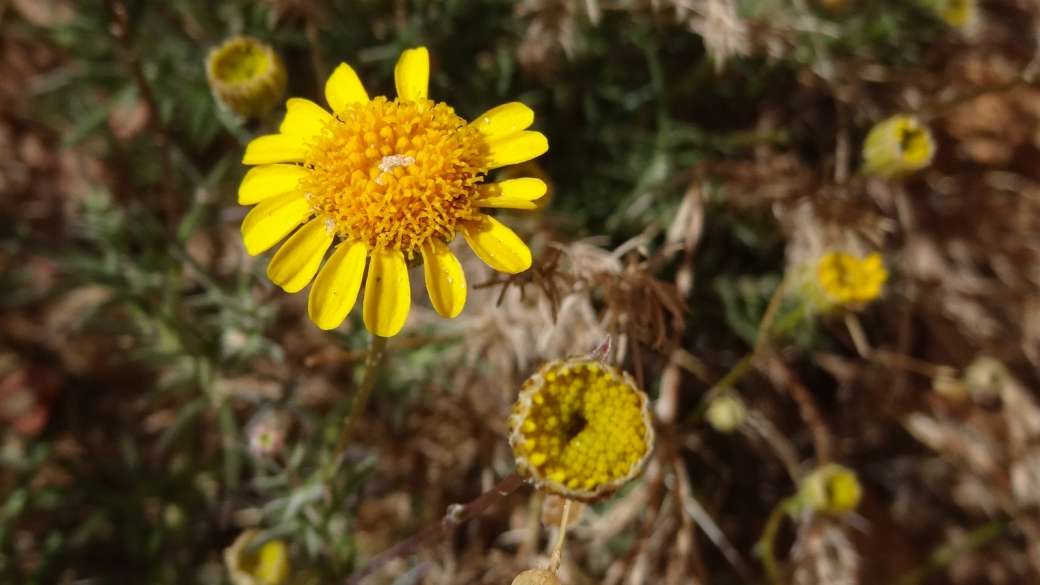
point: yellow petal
(387, 293)
(303, 118)
(344, 87)
(497, 245)
(445, 280)
(412, 75)
(267, 181)
(336, 289)
(515, 148)
(297, 261)
(514, 193)
(272, 220)
(275, 148)
(503, 120)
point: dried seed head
(897, 147)
(536, 577)
(726, 412)
(580, 429)
(247, 76)
(831, 489)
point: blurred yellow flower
(580, 429)
(247, 76)
(958, 13)
(268, 565)
(831, 489)
(390, 179)
(846, 280)
(726, 412)
(897, 147)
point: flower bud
(268, 565)
(831, 489)
(726, 412)
(247, 76)
(897, 147)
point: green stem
(765, 544)
(376, 351)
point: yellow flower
(391, 180)
(269, 565)
(849, 281)
(896, 147)
(246, 75)
(958, 13)
(831, 489)
(580, 429)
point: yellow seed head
(393, 174)
(269, 565)
(580, 429)
(831, 489)
(247, 76)
(897, 147)
(848, 281)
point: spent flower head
(392, 181)
(580, 429)
(897, 147)
(831, 489)
(267, 565)
(847, 281)
(246, 75)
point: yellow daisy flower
(268, 565)
(831, 489)
(846, 280)
(391, 179)
(580, 429)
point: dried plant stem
(455, 516)
(376, 351)
(119, 17)
(765, 544)
(885, 358)
(317, 58)
(557, 553)
(782, 375)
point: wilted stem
(456, 515)
(376, 351)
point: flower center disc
(586, 427)
(393, 174)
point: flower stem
(376, 351)
(765, 544)
(557, 553)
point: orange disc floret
(394, 174)
(580, 429)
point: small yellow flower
(958, 13)
(247, 76)
(269, 565)
(848, 281)
(580, 429)
(897, 147)
(831, 489)
(390, 180)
